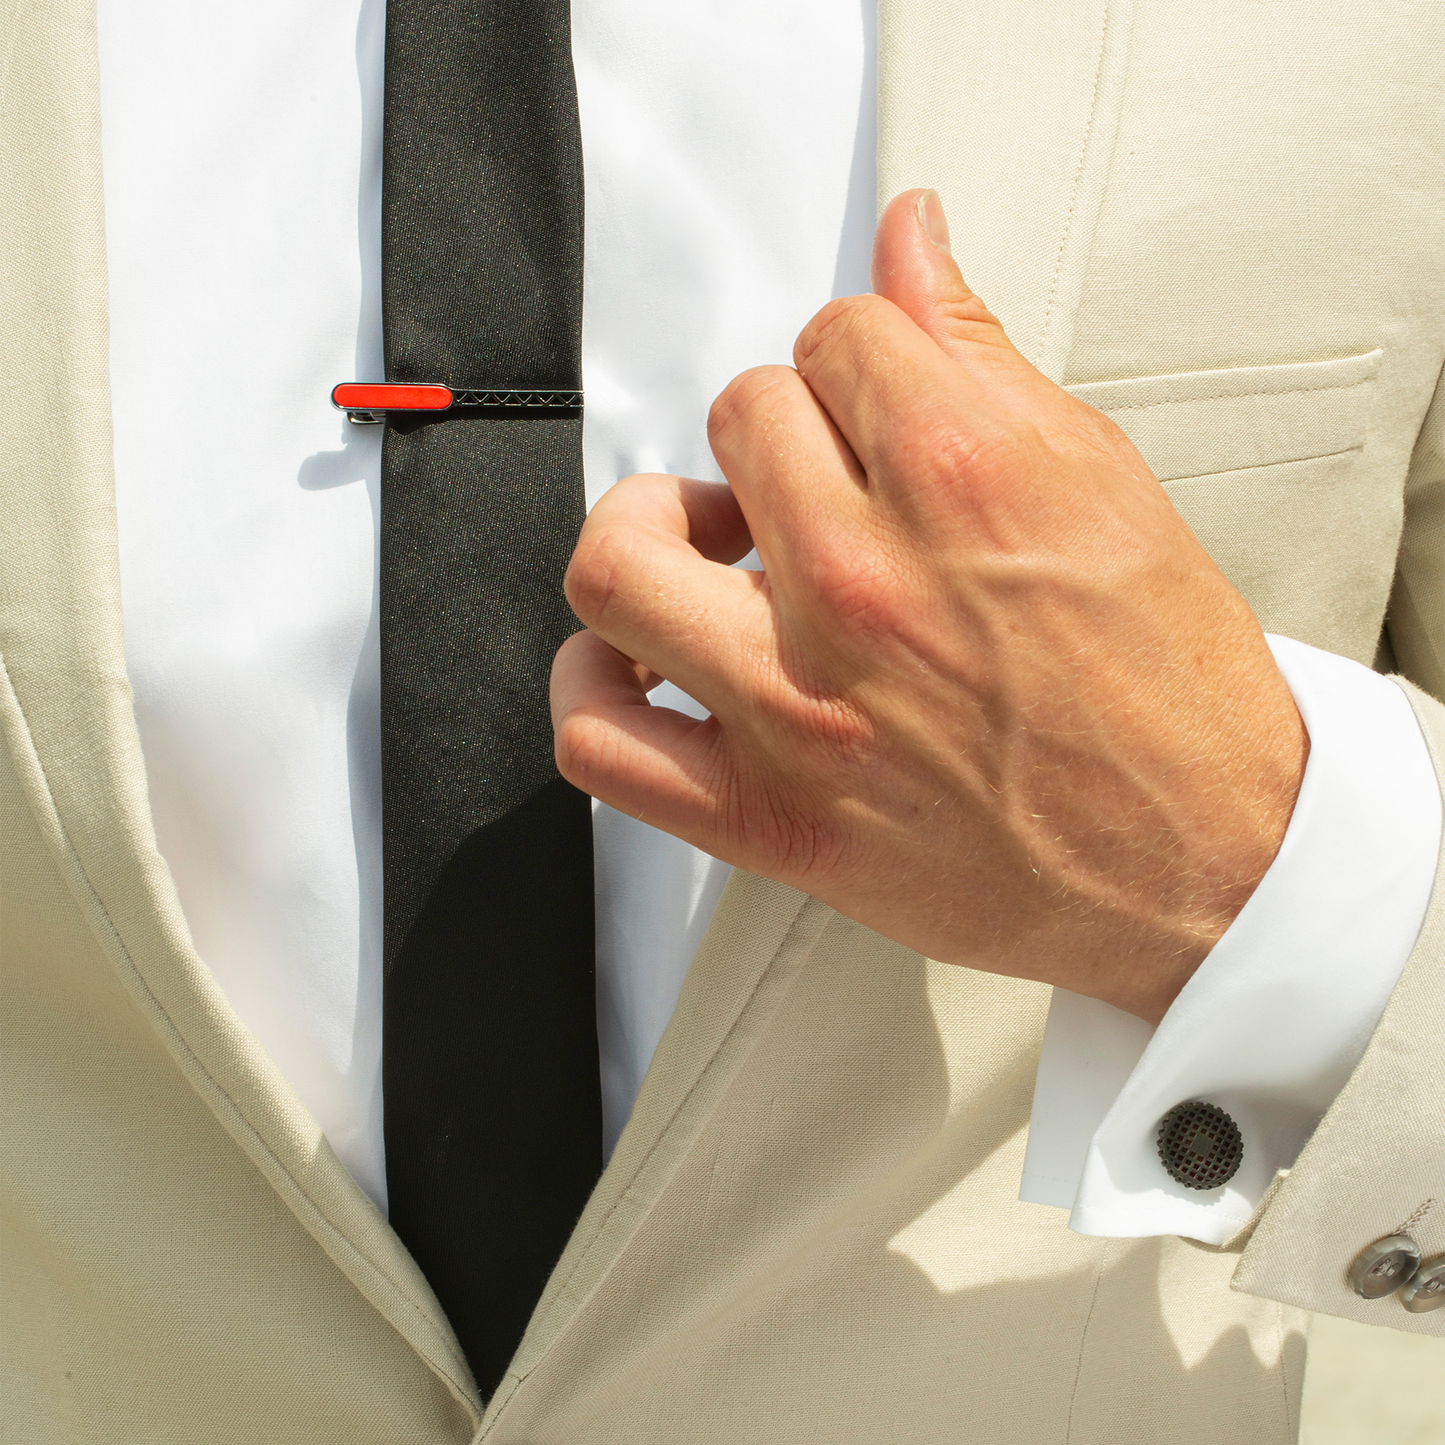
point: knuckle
(747, 398)
(583, 748)
(858, 585)
(841, 323)
(801, 848)
(974, 462)
(967, 464)
(782, 824)
(597, 569)
(847, 743)
(967, 319)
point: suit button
(1382, 1267)
(1200, 1145)
(1425, 1289)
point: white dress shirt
(730, 192)
(1277, 1016)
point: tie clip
(370, 402)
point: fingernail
(933, 221)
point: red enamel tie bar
(370, 402)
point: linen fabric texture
(808, 1230)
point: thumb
(914, 268)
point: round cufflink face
(1200, 1145)
(1382, 1267)
(1425, 1289)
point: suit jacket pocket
(1200, 423)
(1262, 462)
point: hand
(989, 697)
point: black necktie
(493, 1116)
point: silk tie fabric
(493, 1120)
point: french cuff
(1272, 1023)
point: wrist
(1235, 835)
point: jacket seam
(1291, 1426)
(1084, 1340)
(1058, 267)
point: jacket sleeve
(1375, 1166)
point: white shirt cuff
(1275, 1019)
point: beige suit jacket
(1220, 221)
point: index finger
(642, 580)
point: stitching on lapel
(338, 1246)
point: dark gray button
(1382, 1267)
(1425, 1289)
(1200, 1145)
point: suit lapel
(760, 936)
(65, 702)
(1010, 111)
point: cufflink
(1200, 1145)
(1382, 1267)
(1425, 1289)
(370, 402)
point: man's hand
(990, 697)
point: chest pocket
(1265, 464)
